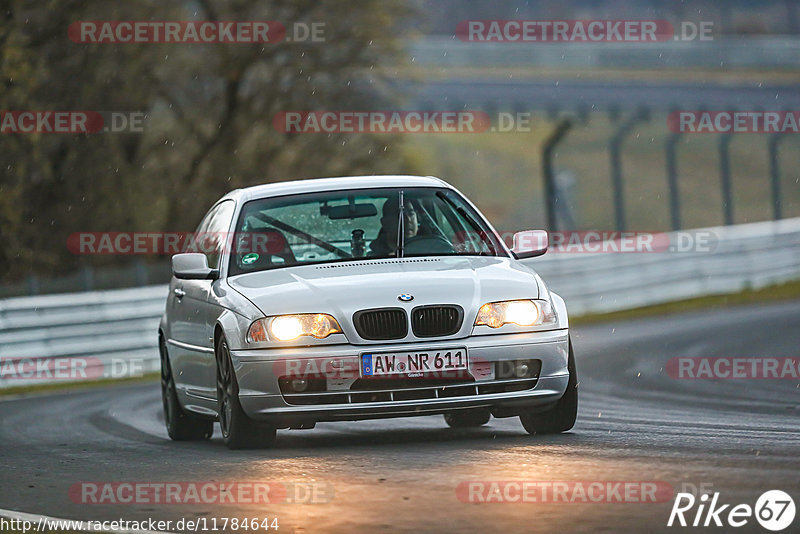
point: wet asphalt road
(736, 437)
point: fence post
(555, 137)
(672, 181)
(33, 285)
(87, 275)
(725, 177)
(140, 273)
(614, 148)
(775, 175)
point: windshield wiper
(472, 222)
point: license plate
(411, 364)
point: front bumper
(258, 371)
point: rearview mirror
(351, 211)
(530, 243)
(192, 266)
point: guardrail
(740, 257)
(113, 329)
(105, 331)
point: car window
(458, 227)
(341, 226)
(210, 236)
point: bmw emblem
(405, 297)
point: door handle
(180, 293)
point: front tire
(560, 417)
(180, 425)
(238, 430)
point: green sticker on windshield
(247, 259)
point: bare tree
(209, 111)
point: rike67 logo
(774, 510)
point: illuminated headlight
(289, 327)
(520, 312)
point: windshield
(365, 223)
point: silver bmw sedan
(352, 298)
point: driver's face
(410, 224)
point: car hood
(343, 288)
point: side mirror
(530, 243)
(193, 266)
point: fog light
(510, 369)
(299, 384)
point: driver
(385, 244)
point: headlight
(289, 327)
(521, 312)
